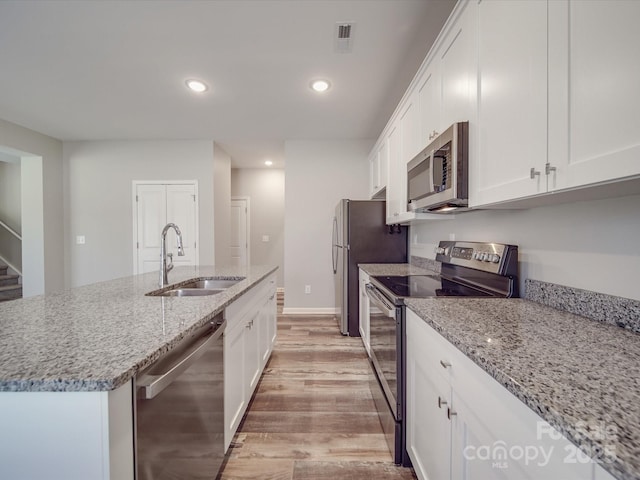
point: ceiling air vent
(344, 37)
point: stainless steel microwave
(437, 178)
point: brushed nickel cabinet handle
(445, 364)
(533, 173)
(441, 402)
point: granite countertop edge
(619, 466)
(250, 277)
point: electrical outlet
(307, 289)
(80, 240)
(265, 238)
(452, 236)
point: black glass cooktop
(427, 286)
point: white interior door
(239, 232)
(157, 204)
(181, 210)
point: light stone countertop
(97, 337)
(578, 374)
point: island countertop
(97, 337)
(580, 375)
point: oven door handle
(380, 301)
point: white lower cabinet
(462, 424)
(248, 343)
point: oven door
(385, 337)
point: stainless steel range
(469, 269)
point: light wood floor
(312, 417)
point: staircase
(10, 289)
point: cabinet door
(267, 329)
(512, 103)
(593, 91)
(496, 436)
(410, 130)
(252, 351)
(235, 392)
(430, 104)
(458, 69)
(395, 189)
(428, 425)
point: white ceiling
(96, 70)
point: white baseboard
(309, 311)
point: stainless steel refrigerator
(360, 235)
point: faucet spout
(164, 267)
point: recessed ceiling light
(268, 163)
(320, 85)
(197, 86)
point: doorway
(154, 205)
(239, 240)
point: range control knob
(495, 258)
(484, 256)
(440, 250)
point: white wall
(590, 245)
(265, 189)
(98, 199)
(318, 174)
(47, 260)
(222, 205)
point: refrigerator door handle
(334, 239)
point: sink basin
(197, 288)
(211, 284)
(189, 292)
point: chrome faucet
(164, 268)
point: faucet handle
(170, 264)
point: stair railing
(16, 263)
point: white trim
(309, 311)
(280, 289)
(134, 216)
(248, 200)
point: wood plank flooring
(312, 417)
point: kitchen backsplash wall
(623, 312)
(586, 245)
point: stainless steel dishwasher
(180, 409)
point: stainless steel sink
(197, 288)
(211, 283)
(189, 292)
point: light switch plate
(80, 240)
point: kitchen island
(68, 361)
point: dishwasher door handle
(151, 385)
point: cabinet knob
(548, 168)
(445, 364)
(441, 402)
(533, 173)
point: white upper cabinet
(430, 104)
(395, 202)
(512, 101)
(594, 74)
(378, 167)
(458, 66)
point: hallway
(312, 417)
